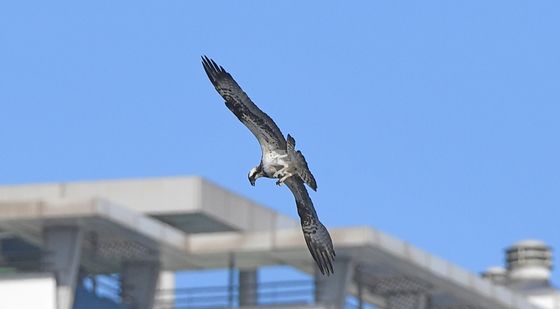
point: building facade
(117, 244)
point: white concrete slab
(175, 196)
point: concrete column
(248, 284)
(138, 282)
(63, 246)
(166, 283)
(330, 291)
(422, 301)
(360, 290)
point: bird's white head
(255, 173)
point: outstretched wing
(301, 164)
(315, 233)
(261, 125)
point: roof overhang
(190, 204)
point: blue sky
(434, 121)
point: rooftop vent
(529, 260)
(496, 274)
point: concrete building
(69, 245)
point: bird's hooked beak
(252, 180)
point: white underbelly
(273, 162)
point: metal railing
(267, 293)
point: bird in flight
(279, 160)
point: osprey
(279, 160)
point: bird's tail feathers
(291, 143)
